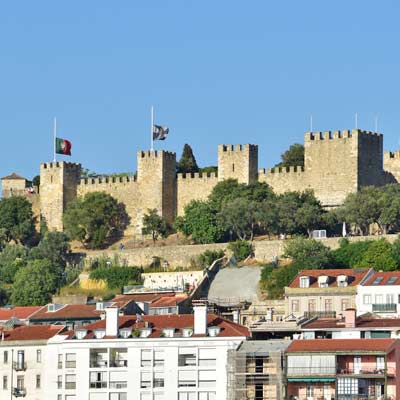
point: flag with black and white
(160, 132)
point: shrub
(241, 249)
(117, 277)
(209, 256)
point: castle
(336, 164)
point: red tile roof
(69, 311)
(354, 276)
(13, 176)
(32, 332)
(341, 345)
(18, 312)
(169, 301)
(361, 323)
(386, 276)
(141, 297)
(159, 322)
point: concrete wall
(170, 280)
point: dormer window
(81, 333)
(342, 280)
(145, 332)
(304, 281)
(99, 333)
(54, 307)
(168, 332)
(323, 281)
(214, 330)
(187, 332)
(125, 332)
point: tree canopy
(95, 219)
(187, 163)
(154, 225)
(293, 157)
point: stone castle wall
(336, 164)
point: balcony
(319, 314)
(19, 366)
(118, 385)
(388, 307)
(119, 363)
(98, 385)
(19, 392)
(311, 371)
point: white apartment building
(23, 361)
(157, 357)
(380, 294)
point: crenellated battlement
(281, 170)
(157, 154)
(331, 135)
(105, 180)
(237, 147)
(196, 176)
(61, 164)
(395, 155)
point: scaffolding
(256, 371)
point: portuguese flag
(63, 146)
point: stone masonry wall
(283, 180)
(391, 163)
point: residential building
(351, 327)
(324, 293)
(343, 369)
(380, 294)
(17, 315)
(23, 361)
(256, 370)
(182, 357)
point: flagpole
(55, 135)
(151, 128)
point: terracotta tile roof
(13, 176)
(354, 276)
(18, 312)
(341, 345)
(159, 322)
(169, 301)
(141, 297)
(385, 278)
(32, 332)
(361, 323)
(69, 311)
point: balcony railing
(361, 371)
(318, 371)
(319, 314)
(98, 363)
(19, 366)
(118, 385)
(304, 371)
(118, 363)
(98, 385)
(19, 392)
(387, 307)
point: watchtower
(238, 162)
(58, 186)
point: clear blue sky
(216, 72)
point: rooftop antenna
(356, 120)
(376, 122)
(311, 123)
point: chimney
(350, 318)
(200, 319)
(112, 321)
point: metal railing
(118, 385)
(385, 307)
(19, 392)
(98, 385)
(320, 314)
(304, 371)
(118, 363)
(19, 366)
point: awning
(311, 379)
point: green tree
(223, 192)
(154, 225)
(293, 157)
(95, 219)
(308, 253)
(16, 219)
(389, 208)
(287, 206)
(349, 255)
(274, 282)
(309, 215)
(379, 256)
(35, 284)
(187, 163)
(36, 180)
(209, 169)
(117, 276)
(12, 259)
(241, 249)
(200, 222)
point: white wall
(373, 292)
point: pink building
(345, 369)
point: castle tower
(58, 186)
(13, 185)
(238, 162)
(341, 162)
(391, 164)
(156, 177)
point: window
(328, 305)
(367, 299)
(377, 280)
(233, 167)
(379, 299)
(391, 280)
(345, 304)
(347, 386)
(145, 380)
(357, 364)
(158, 381)
(59, 397)
(207, 396)
(118, 396)
(207, 379)
(323, 281)
(380, 363)
(70, 397)
(312, 305)
(207, 357)
(145, 396)
(59, 382)
(390, 299)
(38, 381)
(70, 381)
(187, 378)
(59, 363)
(38, 356)
(304, 282)
(70, 360)
(187, 357)
(98, 380)
(187, 396)
(20, 360)
(295, 306)
(310, 391)
(5, 382)
(20, 382)
(158, 358)
(5, 357)
(145, 358)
